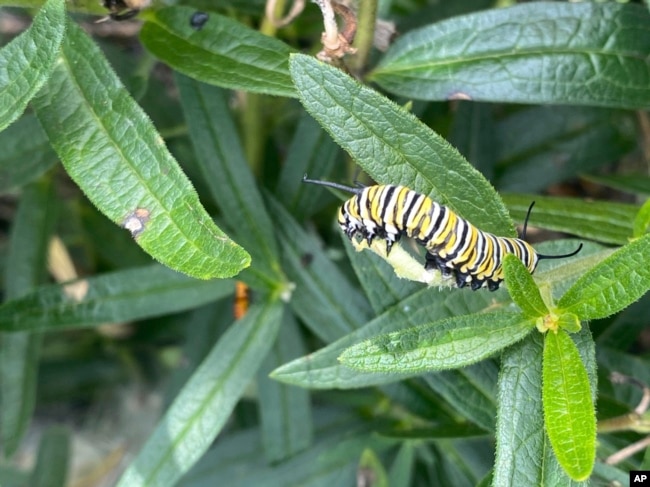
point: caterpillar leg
(461, 279)
(435, 262)
(477, 284)
(493, 285)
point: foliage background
(128, 374)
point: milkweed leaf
(134, 181)
(596, 55)
(393, 146)
(26, 62)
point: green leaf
(26, 62)
(522, 288)
(567, 139)
(473, 133)
(522, 54)
(322, 369)
(470, 390)
(25, 269)
(523, 456)
(52, 465)
(520, 422)
(607, 222)
(569, 412)
(311, 152)
(394, 147)
(223, 52)
(615, 283)
(333, 460)
(227, 173)
(113, 297)
(26, 153)
(642, 220)
(402, 470)
(285, 416)
(203, 407)
(112, 151)
(319, 284)
(202, 327)
(630, 183)
(371, 471)
(569, 322)
(624, 329)
(445, 344)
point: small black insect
(198, 20)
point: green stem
(367, 17)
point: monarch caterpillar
(454, 246)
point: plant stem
(367, 18)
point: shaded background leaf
(597, 56)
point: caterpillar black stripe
(454, 246)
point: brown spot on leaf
(136, 221)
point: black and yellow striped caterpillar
(454, 246)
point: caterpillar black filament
(454, 246)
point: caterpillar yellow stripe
(453, 245)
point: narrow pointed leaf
(473, 133)
(228, 175)
(25, 269)
(445, 344)
(607, 222)
(569, 322)
(520, 421)
(614, 284)
(223, 52)
(26, 62)
(522, 54)
(113, 152)
(522, 288)
(319, 284)
(203, 407)
(568, 407)
(642, 220)
(523, 456)
(312, 152)
(119, 296)
(470, 390)
(402, 470)
(394, 147)
(630, 183)
(26, 153)
(322, 369)
(53, 461)
(569, 139)
(285, 417)
(332, 461)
